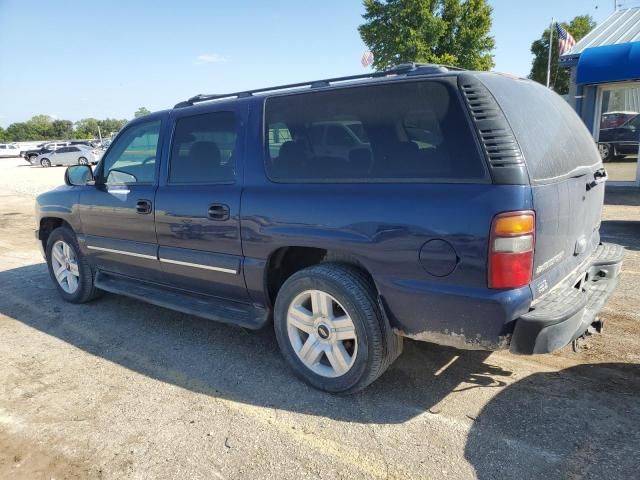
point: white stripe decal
(122, 252)
(198, 265)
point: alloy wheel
(64, 263)
(322, 333)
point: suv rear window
(409, 131)
(553, 138)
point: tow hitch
(596, 327)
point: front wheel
(607, 152)
(331, 330)
(68, 267)
(45, 162)
(83, 161)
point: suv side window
(203, 149)
(132, 158)
(410, 131)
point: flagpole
(550, 50)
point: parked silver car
(69, 155)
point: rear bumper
(568, 310)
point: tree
(40, 125)
(141, 111)
(450, 32)
(21, 131)
(86, 128)
(109, 125)
(559, 79)
(43, 127)
(61, 129)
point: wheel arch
(48, 225)
(285, 261)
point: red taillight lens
(511, 249)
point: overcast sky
(74, 59)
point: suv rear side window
(410, 131)
(203, 149)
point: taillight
(511, 247)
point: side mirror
(78, 175)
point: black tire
(45, 162)
(83, 161)
(86, 290)
(607, 152)
(378, 346)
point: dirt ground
(121, 389)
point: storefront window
(618, 130)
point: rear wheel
(68, 267)
(83, 161)
(331, 330)
(45, 162)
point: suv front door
(117, 213)
(198, 204)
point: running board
(219, 310)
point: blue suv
(455, 207)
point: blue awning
(609, 63)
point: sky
(75, 59)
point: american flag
(565, 41)
(367, 58)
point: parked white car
(9, 150)
(69, 155)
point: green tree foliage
(559, 81)
(141, 111)
(86, 128)
(43, 127)
(109, 125)
(61, 129)
(450, 32)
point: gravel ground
(121, 389)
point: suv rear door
(198, 203)
(565, 171)
(117, 213)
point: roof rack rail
(404, 68)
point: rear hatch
(566, 175)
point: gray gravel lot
(120, 389)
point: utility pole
(550, 50)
